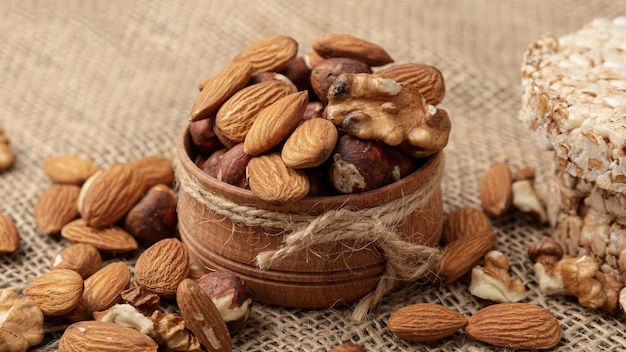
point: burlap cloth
(115, 80)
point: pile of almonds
(288, 126)
(105, 213)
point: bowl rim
(378, 196)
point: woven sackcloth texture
(115, 80)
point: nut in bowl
(293, 234)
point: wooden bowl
(335, 275)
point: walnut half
(372, 107)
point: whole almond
(428, 79)
(496, 194)
(274, 182)
(274, 123)
(217, 89)
(154, 217)
(464, 221)
(424, 322)
(161, 267)
(112, 239)
(235, 117)
(56, 207)
(515, 325)
(82, 258)
(69, 169)
(202, 317)
(108, 195)
(461, 255)
(56, 292)
(271, 54)
(9, 235)
(345, 45)
(94, 335)
(310, 144)
(155, 169)
(104, 288)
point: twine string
(404, 260)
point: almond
(428, 79)
(82, 258)
(155, 169)
(9, 235)
(424, 322)
(104, 288)
(161, 267)
(217, 89)
(271, 54)
(98, 336)
(56, 207)
(235, 117)
(56, 292)
(515, 325)
(69, 169)
(310, 144)
(496, 194)
(274, 182)
(112, 239)
(202, 317)
(274, 123)
(461, 255)
(465, 221)
(345, 45)
(109, 194)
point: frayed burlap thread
(403, 260)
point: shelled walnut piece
(396, 111)
(574, 276)
(493, 282)
(21, 322)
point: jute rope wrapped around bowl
(404, 260)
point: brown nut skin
(314, 109)
(323, 75)
(232, 166)
(232, 296)
(298, 73)
(203, 137)
(209, 166)
(347, 347)
(154, 217)
(359, 165)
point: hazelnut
(313, 109)
(323, 75)
(232, 296)
(273, 76)
(298, 73)
(359, 165)
(203, 137)
(232, 166)
(209, 166)
(154, 217)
